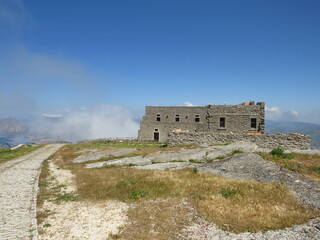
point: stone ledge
(270, 141)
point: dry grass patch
(253, 209)
(44, 192)
(252, 206)
(72, 151)
(160, 219)
(104, 144)
(308, 164)
(234, 205)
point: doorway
(156, 136)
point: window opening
(197, 118)
(177, 118)
(222, 122)
(158, 118)
(253, 123)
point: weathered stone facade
(159, 121)
(264, 141)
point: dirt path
(18, 192)
(74, 220)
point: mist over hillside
(10, 127)
(110, 122)
(102, 121)
(301, 127)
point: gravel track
(18, 192)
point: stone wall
(162, 119)
(264, 141)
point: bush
(280, 153)
(138, 194)
(317, 168)
(277, 152)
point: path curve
(18, 193)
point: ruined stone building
(159, 121)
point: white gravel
(18, 192)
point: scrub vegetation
(308, 164)
(163, 203)
(8, 154)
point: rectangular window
(158, 118)
(197, 118)
(177, 118)
(253, 123)
(222, 123)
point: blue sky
(62, 56)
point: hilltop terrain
(131, 190)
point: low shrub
(226, 192)
(280, 153)
(277, 151)
(138, 194)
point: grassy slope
(8, 154)
(301, 163)
(234, 205)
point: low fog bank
(104, 121)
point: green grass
(8, 154)
(101, 143)
(196, 161)
(281, 154)
(226, 192)
(66, 197)
(178, 161)
(221, 144)
(235, 151)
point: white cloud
(272, 109)
(277, 114)
(52, 115)
(100, 122)
(188, 104)
(50, 79)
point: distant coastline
(14, 141)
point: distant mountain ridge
(301, 127)
(11, 127)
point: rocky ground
(247, 165)
(100, 220)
